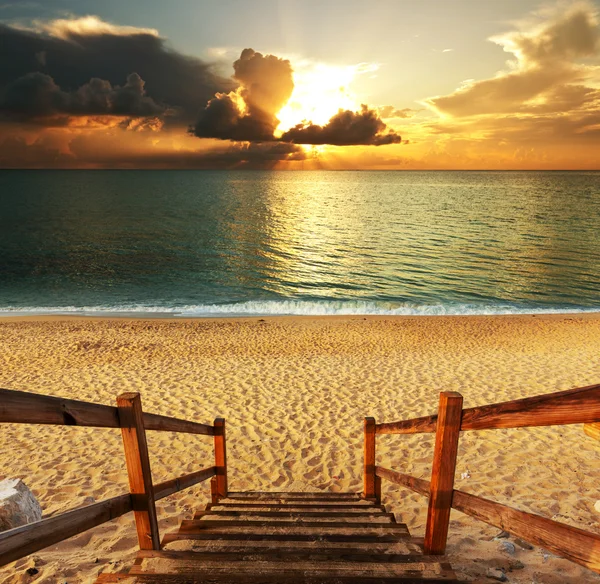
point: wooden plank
(574, 406)
(290, 553)
(418, 485)
(224, 577)
(221, 457)
(168, 424)
(22, 541)
(426, 424)
(442, 472)
(323, 506)
(138, 469)
(290, 495)
(571, 543)
(174, 485)
(312, 570)
(293, 514)
(315, 536)
(369, 459)
(21, 407)
(592, 430)
(189, 525)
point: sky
(300, 84)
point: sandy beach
(294, 392)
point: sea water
(210, 243)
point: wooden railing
(17, 407)
(575, 406)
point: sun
(320, 91)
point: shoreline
(170, 317)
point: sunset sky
(293, 84)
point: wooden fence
(29, 408)
(575, 406)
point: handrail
(574, 406)
(21, 407)
(31, 408)
(567, 541)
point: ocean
(226, 243)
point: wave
(294, 308)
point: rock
(507, 547)
(496, 574)
(523, 544)
(18, 506)
(32, 571)
(515, 565)
(502, 535)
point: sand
(294, 392)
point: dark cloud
(249, 113)
(72, 55)
(346, 128)
(266, 85)
(102, 152)
(36, 95)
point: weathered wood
(21, 407)
(214, 490)
(22, 541)
(138, 469)
(191, 526)
(592, 430)
(377, 488)
(252, 553)
(418, 485)
(426, 424)
(174, 485)
(168, 424)
(322, 506)
(568, 542)
(290, 495)
(293, 514)
(442, 472)
(221, 457)
(369, 459)
(574, 406)
(314, 536)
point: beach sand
(294, 392)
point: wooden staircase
(291, 538)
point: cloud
(36, 96)
(346, 128)
(266, 85)
(72, 52)
(389, 111)
(249, 113)
(542, 74)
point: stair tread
(203, 524)
(378, 514)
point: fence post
(138, 468)
(220, 457)
(442, 473)
(369, 460)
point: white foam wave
(293, 307)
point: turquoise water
(251, 242)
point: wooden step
(314, 535)
(379, 515)
(253, 554)
(297, 569)
(308, 506)
(291, 494)
(201, 525)
(225, 578)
